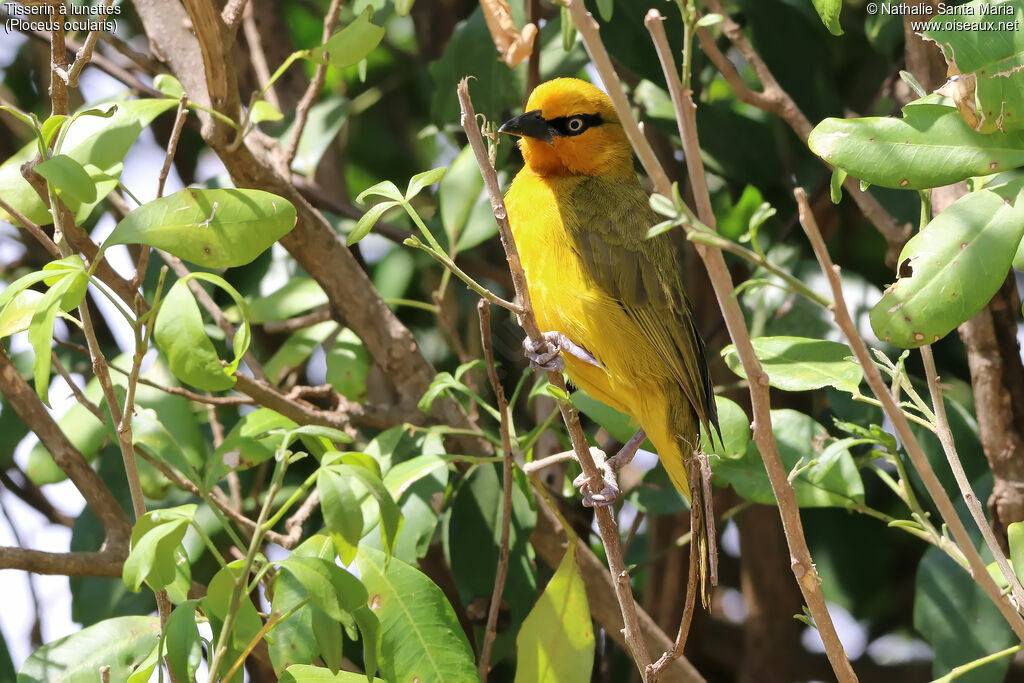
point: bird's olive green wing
(608, 223)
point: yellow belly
(632, 379)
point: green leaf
(298, 295)
(180, 334)
(294, 640)
(367, 221)
(296, 349)
(94, 141)
(325, 120)
(17, 314)
(241, 449)
(305, 673)
(348, 365)
(993, 56)
(735, 426)
(216, 604)
(68, 177)
(120, 643)
(351, 44)
(556, 641)
(605, 8)
(330, 587)
(950, 270)
(458, 193)
(1015, 537)
(800, 364)
(40, 334)
(424, 179)
(329, 433)
(264, 111)
(828, 10)
(709, 20)
(169, 85)
(390, 516)
(152, 557)
(211, 228)
(930, 146)
(51, 127)
(421, 636)
(835, 186)
(958, 619)
(343, 515)
(184, 646)
(384, 188)
(831, 480)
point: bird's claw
(546, 353)
(610, 482)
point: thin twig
(588, 29)
(949, 447)
(802, 565)
(85, 52)
(32, 227)
(842, 317)
(232, 13)
(776, 100)
(605, 520)
(507, 447)
(313, 91)
(172, 144)
(79, 396)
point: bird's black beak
(531, 125)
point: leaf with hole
(950, 270)
(421, 636)
(929, 147)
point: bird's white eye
(575, 125)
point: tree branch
(976, 567)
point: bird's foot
(609, 474)
(546, 353)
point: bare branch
(508, 457)
(802, 565)
(313, 91)
(977, 567)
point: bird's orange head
(570, 128)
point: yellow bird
(609, 299)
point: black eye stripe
(573, 125)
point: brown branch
(172, 145)
(314, 317)
(98, 497)
(509, 456)
(588, 29)
(313, 91)
(106, 563)
(803, 566)
(605, 521)
(32, 228)
(842, 317)
(776, 100)
(33, 496)
(79, 396)
(84, 54)
(293, 525)
(945, 435)
(233, 11)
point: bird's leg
(609, 470)
(545, 354)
